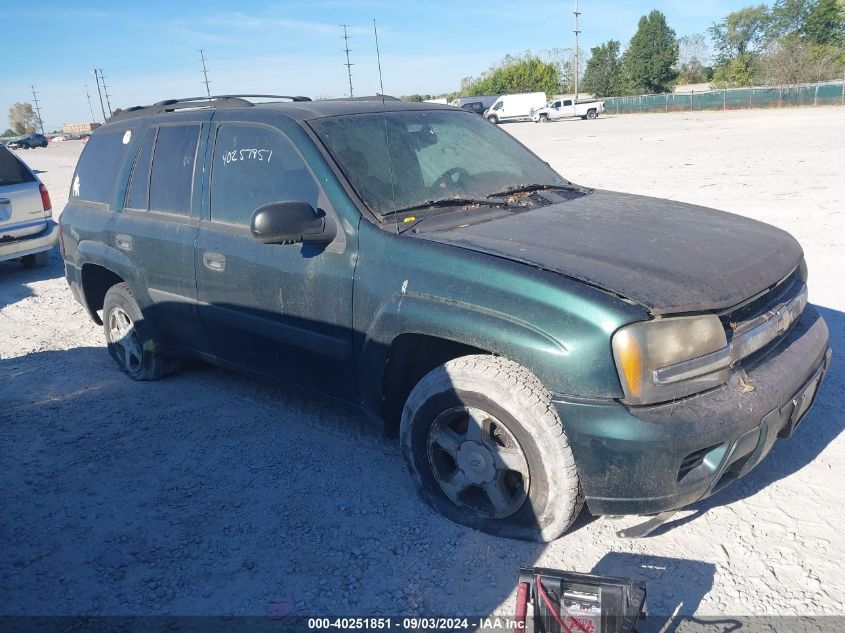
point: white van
(517, 107)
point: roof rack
(214, 101)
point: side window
(98, 166)
(253, 166)
(172, 173)
(139, 183)
(568, 102)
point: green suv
(534, 344)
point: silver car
(27, 229)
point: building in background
(79, 128)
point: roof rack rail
(213, 101)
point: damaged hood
(667, 256)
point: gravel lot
(213, 493)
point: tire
(493, 119)
(36, 260)
(130, 340)
(44, 144)
(516, 433)
(592, 114)
(24, 145)
(544, 118)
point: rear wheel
(36, 260)
(485, 448)
(592, 114)
(130, 340)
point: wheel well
(410, 357)
(96, 281)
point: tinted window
(98, 166)
(253, 166)
(12, 171)
(172, 175)
(139, 184)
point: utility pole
(37, 109)
(205, 72)
(90, 107)
(102, 107)
(105, 90)
(577, 56)
(348, 63)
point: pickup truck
(566, 108)
(534, 344)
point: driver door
(281, 310)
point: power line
(102, 107)
(204, 72)
(348, 63)
(90, 107)
(37, 109)
(105, 90)
(577, 59)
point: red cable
(551, 607)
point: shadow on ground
(14, 278)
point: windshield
(399, 160)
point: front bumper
(31, 244)
(645, 460)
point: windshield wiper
(533, 187)
(447, 202)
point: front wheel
(129, 338)
(493, 119)
(485, 448)
(544, 118)
(24, 145)
(44, 144)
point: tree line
(787, 42)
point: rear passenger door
(158, 226)
(281, 310)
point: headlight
(643, 349)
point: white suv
(27, 229)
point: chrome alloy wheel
(478, 462)
(124, 336)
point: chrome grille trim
(749, 337)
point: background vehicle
(28, 141)
(478, 104)
(566, 108)
(27, 230)
(515, 107)
(523, 337)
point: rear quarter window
(12, 171)
(98, 166)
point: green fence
(828, 93)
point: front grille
(769, 299)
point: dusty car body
(534, 343)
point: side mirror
(291, 223)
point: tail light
(45, 198)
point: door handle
(214, 261)
(124, 242)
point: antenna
(205, 72)
(90, 107)
(105, 90)
(577, 60)
(37, 109)
(97, 79)
(378, 58)
(348, 63)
